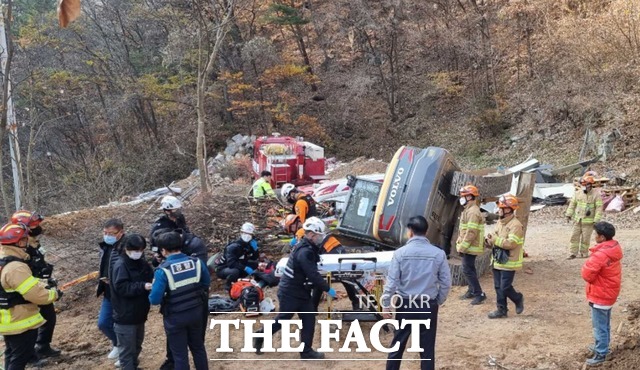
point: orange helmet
(587, 180)
(508, 201)
(469, 190)
(13, 233)
(27, 218)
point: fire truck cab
(290, 160)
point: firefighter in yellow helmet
(585, 209)
(20, 295)
(506, 242)
(470, 242)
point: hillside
(109, 103)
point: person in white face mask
(130, 283)
(240, 258)
(470, 243)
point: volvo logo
(394, 186)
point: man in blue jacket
(180, 284)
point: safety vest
(585, 208)
(262, 187)
(509, 235)
(184, 289)
(471, 222)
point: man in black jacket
(110, 249)
(130, 283)
(172, 217)
(192, 245)
(300, 276)
(240, 258)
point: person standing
(584, 210)
(20, 295)
(300, 277)
(419, 274)
(41, 270)
(262, 187)
(470, 242)
(506, 242)
(603, 273)
(110, 248)
(130, 283)
(180, 285)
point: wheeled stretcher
(365, 271)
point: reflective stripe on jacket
(471, 231)
(184, 289)
(509, 235)
(583, 204)
(262, 187)
(17, 277)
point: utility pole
(12, 126)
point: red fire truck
(290, 160)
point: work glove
(248, 270)
(59, 294)
(331, 292)
(254, 244)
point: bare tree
(221, 27)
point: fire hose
(81, 279)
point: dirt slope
(551, 334)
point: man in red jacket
(603, 273)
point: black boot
(467, 295)
(498, 314)
(479, 299)
(258, 343)
(312, 355)
(520, 305)
(46, 350)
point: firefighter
(506, 242)
(300, 277)
(41, 270)
(584, 210)
(240, 258)
(20, 295)
(303, 205)
(180, 285)
(470, 242)
(262, 187)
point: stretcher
(364, 271)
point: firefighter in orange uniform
(20, 295)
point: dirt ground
(552, 333)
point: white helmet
(248, 228)
(286, 190)
(314, 225)
(170, 202)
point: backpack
(250, 299)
